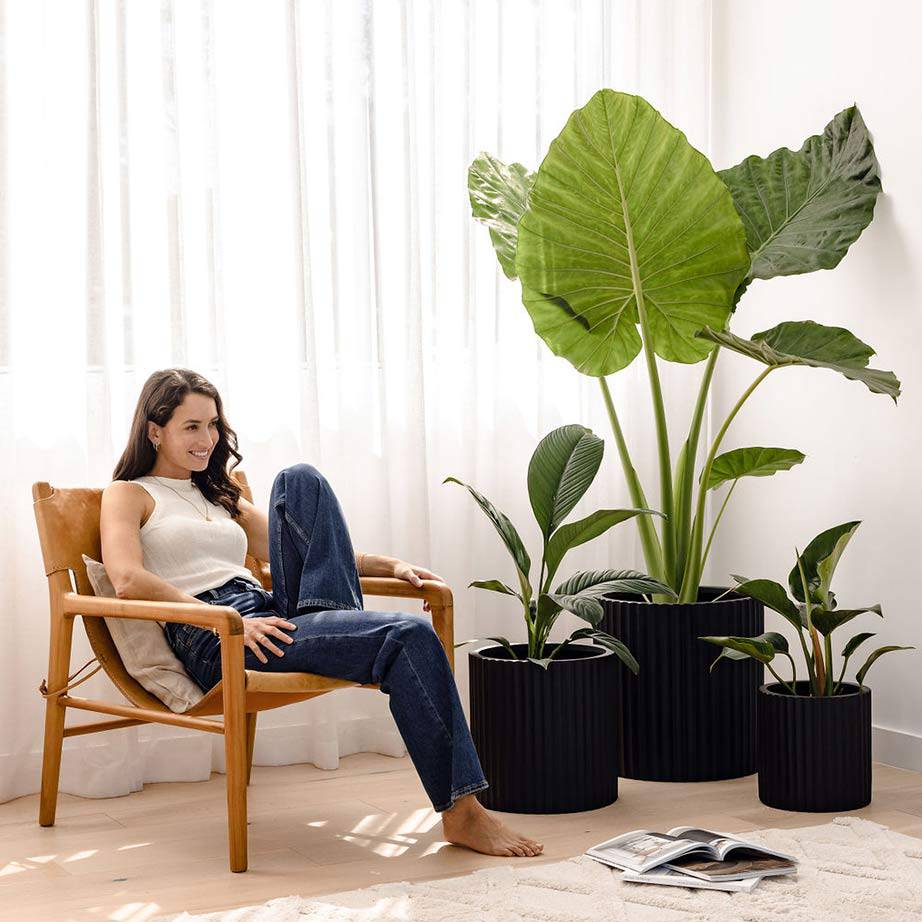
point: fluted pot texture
(814, 754)
(547, 739)
(681, 722)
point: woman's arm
(255, 523)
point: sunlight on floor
(79, 856)
(134, 912)
(374, 832)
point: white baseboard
(897, 747)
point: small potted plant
(814, 733)
(542, 713)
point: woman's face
(188, 439)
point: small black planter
(547, 740)
(681, 722)
(814, 754)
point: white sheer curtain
(274, 194)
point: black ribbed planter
(681, 722)
(547, 739)
(814, 754)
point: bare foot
(467, 824)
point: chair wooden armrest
(220, 618)
(431, 590)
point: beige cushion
(145, 651)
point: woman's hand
(415, 575)
(257, 631)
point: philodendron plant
(813, 613)
(626, 241)
(560, 472)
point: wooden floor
(163, 850)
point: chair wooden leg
(235, 748)
(251, 742)
(443, 622)
(62, 631)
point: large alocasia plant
(626, 241)
(813, 612)
(560, 472)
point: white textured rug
(851, 870)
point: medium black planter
(547, 740)
(681, 722)
(814, 754)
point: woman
(175, 527)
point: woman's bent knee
(295, 473)
(415, 629)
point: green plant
(626, 241)
(813, 613)
(560, 472)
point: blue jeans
(316, 586)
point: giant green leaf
(499, 195)
(803, 209)
(626, 217)
(805, 342)
(752, 462)
(560, 471)
(819, 559)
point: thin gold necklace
(189, 501)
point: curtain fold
(274, 194)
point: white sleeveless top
(184, 549)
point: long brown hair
(162, 393)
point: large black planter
(681, 722)
(814, 754)
(547, 740)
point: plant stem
(841, 675)
(793, 670)
(685, 472)
(653, 555)
(707, 547)
(778, 677)
(828, 639)
(656, 392)
(694, 568)
(815, 664)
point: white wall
(781, 70)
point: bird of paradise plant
(813, 613)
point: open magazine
(696, 852)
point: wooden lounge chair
(68, 527)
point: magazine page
(722, 844)
(638, 850)
(744, 868)
(671, 878)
